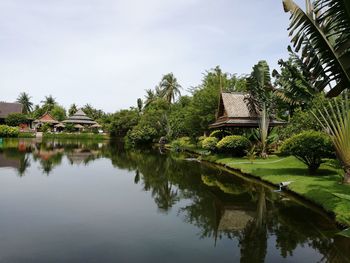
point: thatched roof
(78, 126)
(46, 118)
(233, 111)
(80, 118)
(60, 125)
(234, 220)
(7, 108)
(235, 106)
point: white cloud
(108, 52)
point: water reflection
(221, 207)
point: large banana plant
(335, 120)
(321, 34)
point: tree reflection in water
(219, 205)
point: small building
(45, 119)
(7, 108)
(233, 111)
(80, 119)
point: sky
(107, 52)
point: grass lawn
(317, 188)
(90, 136)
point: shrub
(15, 119)
(181, 144)
(219, 134)
(209, 143)
(200, 141)
(7, 131)
(235, 145)
(142, 135)
(310, 147)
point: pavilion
(234, 112)
(81, 120)
(46, 118)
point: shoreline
(297, 196)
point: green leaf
(342, 196)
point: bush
(7, 131)
(209, 143)
(219, 134)
(200, 141)
(181, 144)
(310, 147)
(15, 119)
(235, 145)
(142, 135)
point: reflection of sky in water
(93, 211)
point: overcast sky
(107, 52)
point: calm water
(69, 201)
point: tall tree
(73, 109)
(49, 102)
(321, 35)
(24, 99)
(169, 87)
(260, 88)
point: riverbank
(320, 189)
(90, 136)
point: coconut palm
(321, 35)
(73, 109)
(264, 131)
(49, 102)
(24, 99)
(169, 87)
(150, 97)
(336, 122)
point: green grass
(319, 188)
(90, 136)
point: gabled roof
(234, 112)
(7, 108)
(233, 105)
(47, 118)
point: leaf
(342, 196)
(345, 233)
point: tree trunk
(347, 176)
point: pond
(79, 201)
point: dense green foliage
(310, 147)
(90, 136)
(219, 134)
(122, 121)
(210, 143)
(15, 119)
(8, 131)
(181, 144)
(235, 145)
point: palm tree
(150, 97)
(336, 122)
(24, 99)
(73, 109)
(49, 102)
(321, 35)
(169, 87)
(259, 87)
(294, 83)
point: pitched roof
(46, 118)
(80, 117)
(7, 108)
(235, 106)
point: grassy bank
(26, 135)
(319, 188)
(90, 136)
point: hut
(233, 111)
(80, 120)
(7, 108)
(45, 119)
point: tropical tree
(49, 102)
(169, 87)
(150, 97)
(259, 87)
(24, 99)
(139, 104)
(321, 35)
(336, 122)
(73, 109)
(264, 131)
(293, 84)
